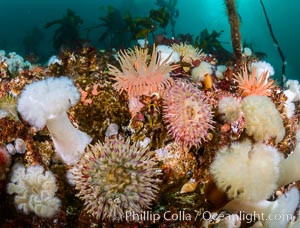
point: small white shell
(112, 129)
(20, 146)
(11, 149)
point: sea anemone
(142, 43)
(230, 221)
(230, 107)
(247, 52)
(289, 168)
(35, 190)
(187, 114)
(261, 67)
(275, 214)
(8, 107)
(46, 103)
(165, 52)
(294, 87)
(220, 70)
(187, 52)
(237, 170)
(137, 76)
(250, 84)
(16, 63)
(262, 119)
(199, 72)
(289, 106)
(115, 177)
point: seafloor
(180, 133)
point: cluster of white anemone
(230, 108)
(256, 169)
(34, 190)
(15, 62)
(263, 120)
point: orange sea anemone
(137, 76)
(249, 84)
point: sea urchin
(116, 177)
(188, 116)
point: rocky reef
(139, 138)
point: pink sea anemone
(138, 77)
(188, 116)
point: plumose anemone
(34, 190)
(273, 214)
(46, 102)
(242, 179)
(188, 116)
(115, 177)
(263, 120)
(230, 108)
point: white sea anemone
(247, 52)
(274, 214)
(187, 52)
(199, 72)
(166, 52)
(262, 67)
(230, 107)
(54, 60)
(46, 103)
(294, 87)
(16, 63)
(263, 120)
(237, 170)
(289, 167)
(35, 190)
(142, 43)
(230, 221)
(220, 71)
(289, 106)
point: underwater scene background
(149, 113)
(21, 18)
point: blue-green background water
(18, 17)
